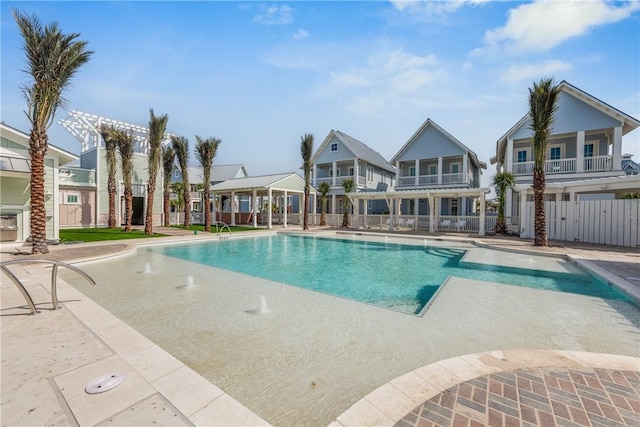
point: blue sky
(258, 75)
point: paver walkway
(535, 397)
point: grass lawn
(234, 229)
(98, 234)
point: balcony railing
(77, 176)
(598, 163)
(550, 167)
(447, 178)
(360, 180)
(453, 178)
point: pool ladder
(54, 279)
(220, 226)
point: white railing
(452, 178)
(550, 167)
(327, 179)
(598, 163)
(71, 175)
(407, 180)
(428, 179)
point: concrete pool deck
(49, 358)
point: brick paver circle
(536, 397)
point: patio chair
(410, 222)
(460, 225)
(446, 223)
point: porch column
(270, 208)
(465, 169)
(524, 215)
(580, 152)
(439, 170)
(233, 208)
(397, 173)
(617, 148)
(356, 212)
(333, 204)
(416, 212)
(315, 170)
(254, 204)
(390, 206)
(285, 210)
(508, 203)
(335, 172)
(463, 207)
(481, 230)
(508, 156)
(397, 212)
(365, 208)
(432, 214)
(417, 177)
(355, 174)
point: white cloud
(300, 34)
(528, 72)
(432, 7)
(274, 15)
(544, 24)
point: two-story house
(342, 157)
(433, 159)
(585, 144)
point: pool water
(401, 277)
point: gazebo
(265, 186)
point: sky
(259, 75)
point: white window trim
(412, 171)
(66, 199)
(452, 164)
(596, 147)
(526, 150)
(351, 171)
(432, 165)
(333, 147)
(560, 146)
(370, 173)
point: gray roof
(360, 150)
(219, 173)
(290, 180)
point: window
(588, 150)
(412, 171)
(330, 173)
(334, 146)
(433, 170)
(72, 199)
(555, 153)
(176, 173)
(455, 168)
(454, 206)
(521, 156)
(351, 171)
(370, 174)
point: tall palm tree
(205, 151)
(111, 145)
(53, 58)
(347, 184)
(323, 189)
(306, 150)
(181, 147)
(168, 159)
(157, 128)
(502, 181)
(177, 188)
(542, 107)
(126, 146)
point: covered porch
(433, 222)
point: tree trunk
(128, 210)
(540, 220)
(111, 189)
(187, 209)
(38, 218)
(501, 225)
(148, 220)
(323, 214)
(345, 216)
(305, 222)
(167, 207)
(207, 210)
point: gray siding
(430, 144)
(328, 156)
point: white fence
(605, 222)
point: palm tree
(53, 58)
(181, 147)
(306, 150)
(111, 146)
(542, 108)
(157, 128)
(323, 189)
(168, 159)
(126, 146)
(205, 151)
(177, 188)
(347, 184)
(502, 181)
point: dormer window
(334, 146)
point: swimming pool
(311, 355)
(401, 277)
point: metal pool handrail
(54, 278)
(223, 225)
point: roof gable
(358, 149)
(430, 125)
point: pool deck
(49, 358)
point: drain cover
(104, 383)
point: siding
(430, 144)
(328, 156)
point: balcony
(361, 180)
(77, 176)
(431, 180)
(563, 166)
